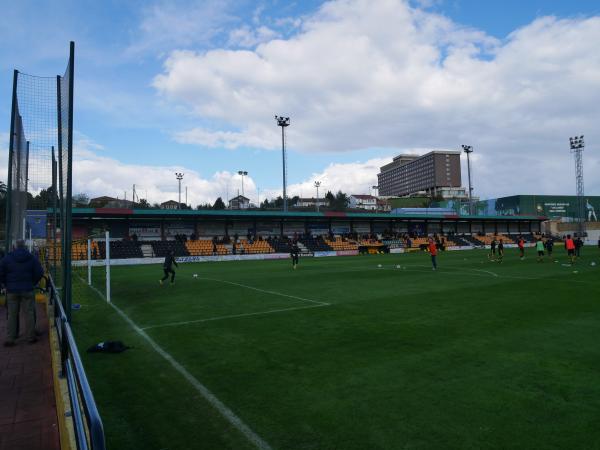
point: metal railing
(89, 431)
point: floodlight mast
(468, 149)
(577, 146)
(179, 177)
(283, 122)
(317, 185)
(242, 173)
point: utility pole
(179, 177)
(283, 122)
(468, 150)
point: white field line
(267, 292)
(227, 413)
(233, 316)
(486, 271)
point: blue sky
(164, 86)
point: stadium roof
(256, 214)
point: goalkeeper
(168, 267)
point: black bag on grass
(108, 347)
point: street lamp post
(317, 185)
(577, 146)
(283, 122)
(242, 173)
(179, 177)
(468, 150)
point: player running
(500, 251)
(539, 247)
(492, 254)
(294, 253)
(433, 251)
(168, 267)
(521, 244)
(570, 246)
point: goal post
(91, 262)
(107, 264)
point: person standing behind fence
(20, 271)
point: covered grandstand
(139, 233)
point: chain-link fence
(38, 188)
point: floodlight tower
(179, 177)
(242, 173)
(317, 185)
(283, 122)
(577, 147)
(468, 149)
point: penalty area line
(232, 316)
(225, 412)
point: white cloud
(247, 37)
(359, 75)
(352, 178)
(98, 175)
(168, 24)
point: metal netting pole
(55, 213)
(11, 149)
(68, 291)
(89, 261)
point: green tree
(219, 204)
(330, 199)
(341, 201)
(81, 200)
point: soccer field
(343, 354)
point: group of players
(542, 246)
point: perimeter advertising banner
(551, 206)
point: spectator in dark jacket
(20, 271)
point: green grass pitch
(342, 354)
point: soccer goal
(91, 261)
